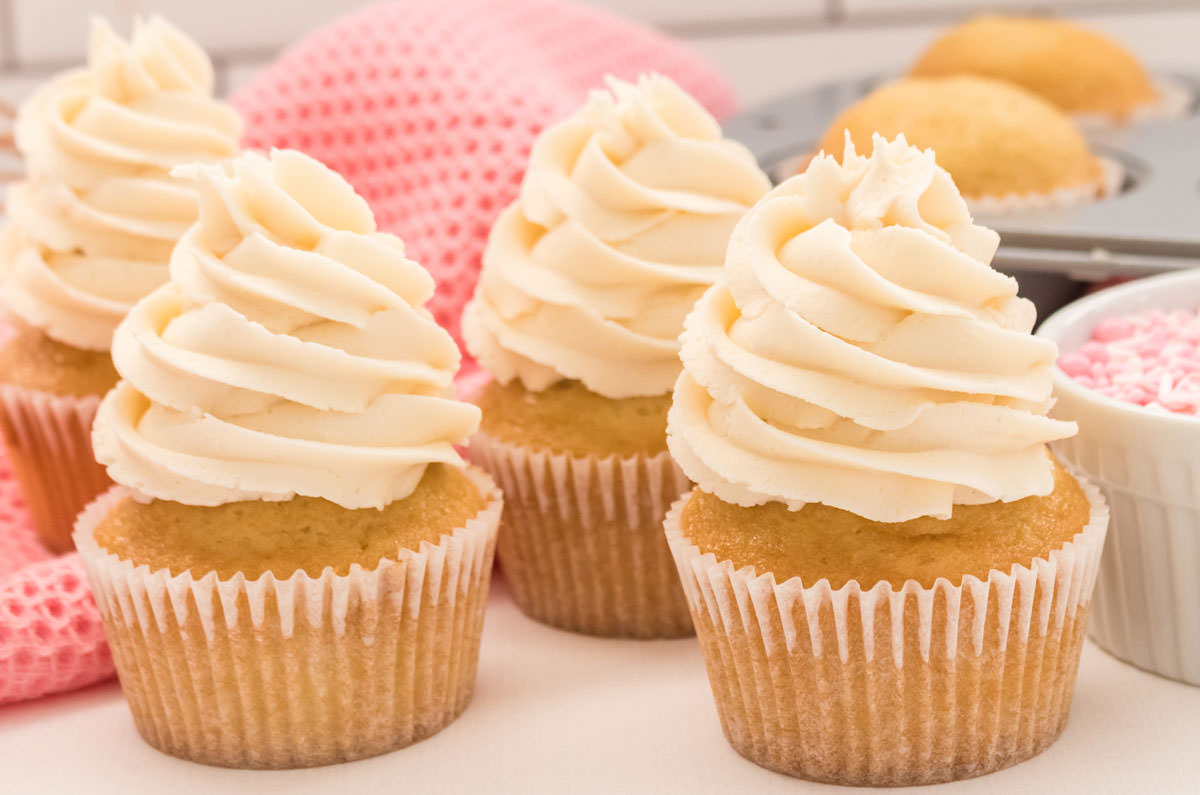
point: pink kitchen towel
(429, 109)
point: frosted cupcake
(1080, 71)
(621, 223)
(90, 232)
(295, 566)
(889, 574)
(1005, 147)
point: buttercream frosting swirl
(621, 223)
(289, 354)
(861, 352)
(93, 225)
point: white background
(766, 46)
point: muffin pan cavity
(1150, 223)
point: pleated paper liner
(302, 671)
(49, 441)
(887, 687)
(581, 544)
(1112, 176)
(1176, 98)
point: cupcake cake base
(48, 399)
(892, 686)
(302, 670)
(582, 545)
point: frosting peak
(621, 223)
(290, 353)
(93, 225)
(861, 352)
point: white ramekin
(1146, 609)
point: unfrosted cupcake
(295, 566)
(888, 573)
(90, 232)
(1004, 146)
(621, 223)
(1080, 71)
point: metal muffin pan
(1151, 225)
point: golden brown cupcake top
(1079, 70)
(257, 536)
(819, 542)
(567, 417)
(994, 138)
(33, 360)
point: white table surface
(557, 712)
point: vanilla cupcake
(1080, 71)
(90, 232)
(888, 573)
(1005, 147)
(621, 223)
(295, 566)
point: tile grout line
(836, 16)
(833, 16)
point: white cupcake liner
(886, 686)
(1175, 99)
(582, 544)
(1112, 175)
(49, 442)
(300, 671)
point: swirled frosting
(621, 223)
(289, 354)
(93, 225)
(861, 352)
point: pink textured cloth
(50, 634)
(429, 109)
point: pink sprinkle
(1075, 364)
(1150, 359)
(1095, 351)
(1112, 328)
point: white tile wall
(895, 9)
(765, 66)
(767, 47)
(712, 13)
(249, 25)
(56, 30)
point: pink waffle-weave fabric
(429, 109)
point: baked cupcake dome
(1078, 70)
(995, 139)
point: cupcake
(621, 223)
(1004, 146)
(294, 568)
(1080, 71)
(889, 575)
(90, 232)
